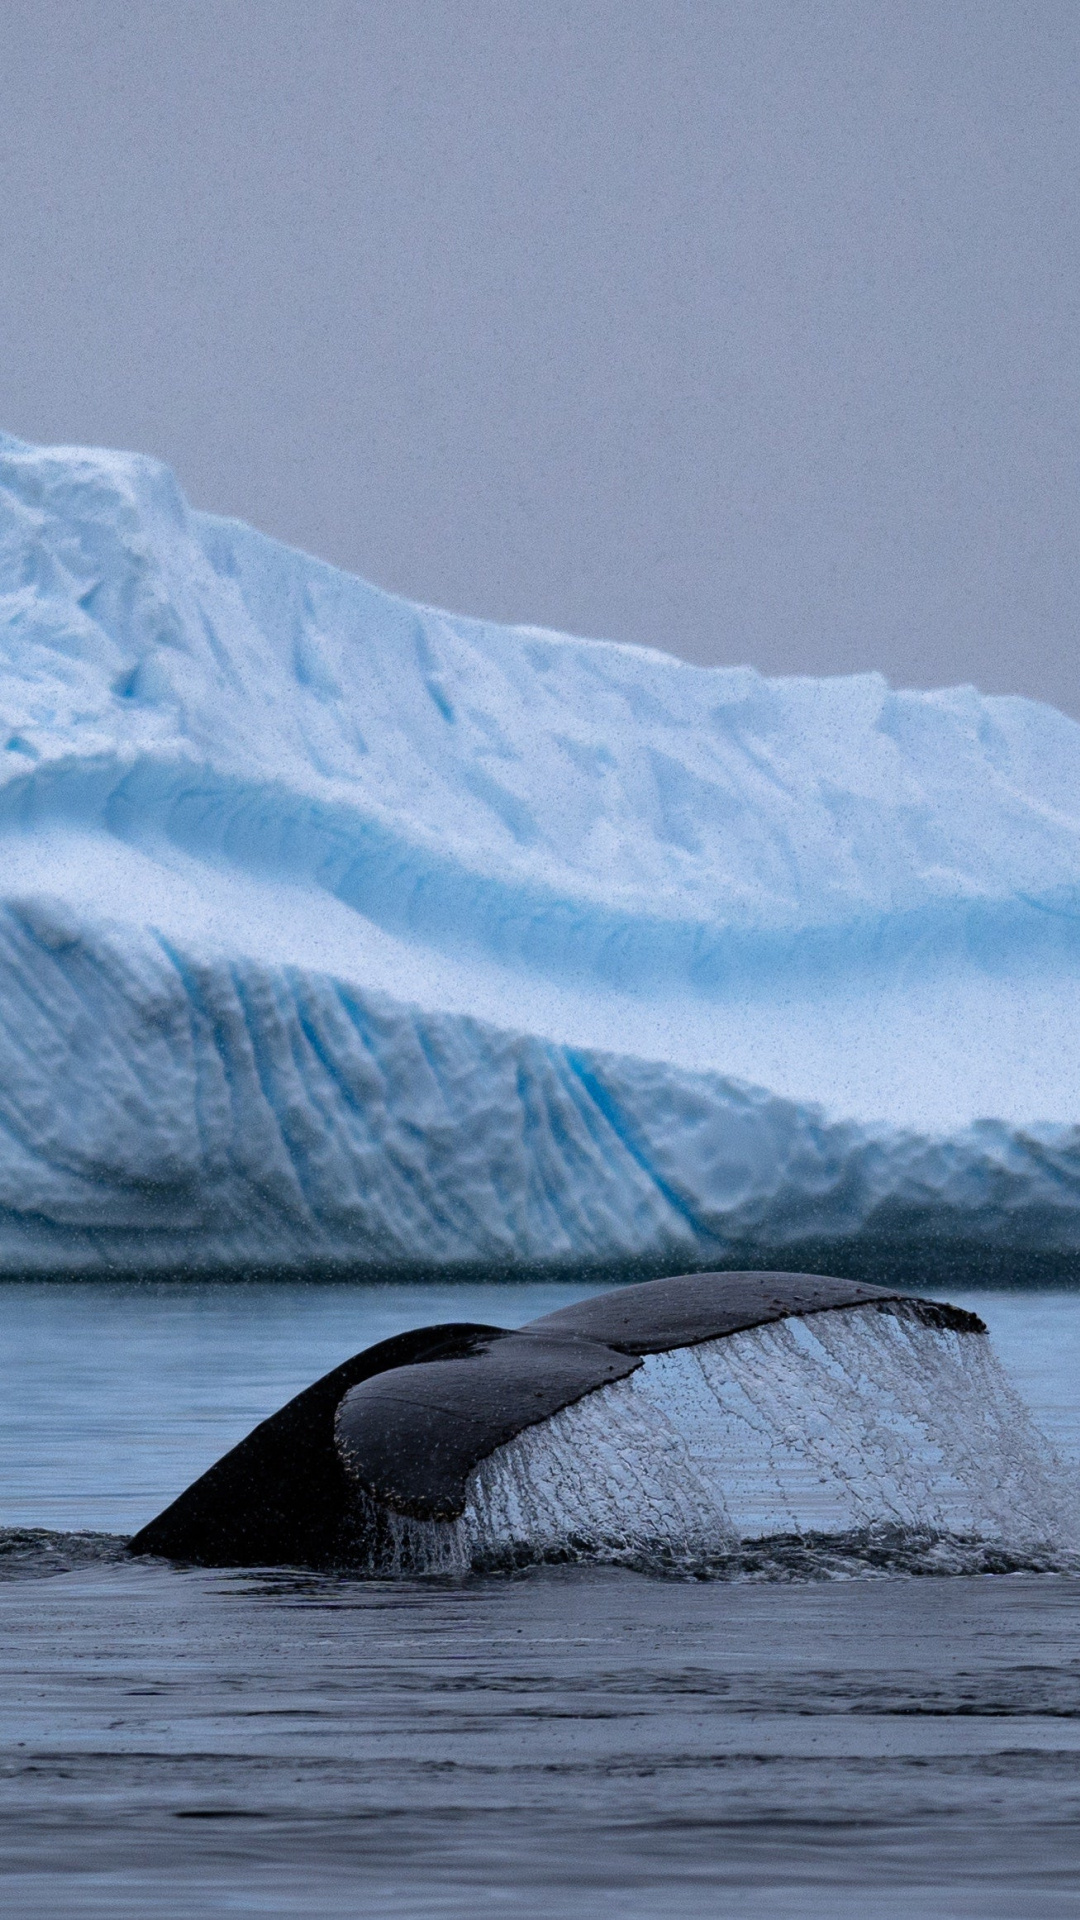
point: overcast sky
(745, 330)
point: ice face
(338, 929)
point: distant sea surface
(188, 1743)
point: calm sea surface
(564, 1743)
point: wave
(36, 1553)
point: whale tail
(665, 1424)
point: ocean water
(805, 1739)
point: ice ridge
(334, 929)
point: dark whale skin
(281, 1495)
(405, 1422)
(411, 1438)
(655, 1315)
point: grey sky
(746, 330)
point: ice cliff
(334, 929)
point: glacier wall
(337, 930)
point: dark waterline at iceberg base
(180, 1743)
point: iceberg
(337, 932)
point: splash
(32, 1553)
(850, 1440)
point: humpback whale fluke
(396, 1435)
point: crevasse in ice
(334, 929)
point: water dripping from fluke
(755, 1425)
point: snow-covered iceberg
(335, 930)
